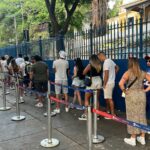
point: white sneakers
(21, 100)
(132, 141)
(67, 109)
(39, 104)
(141, 140)
(57, 110)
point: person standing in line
(147, 83)
(5, 72)
(61, 67)
(109, 74)
(78, 80)
(135, 99)
(93, 70)
(39, 75)
(19, 60)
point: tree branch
(51, 11)
(69, 15)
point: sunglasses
(148, 61)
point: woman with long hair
(93, 70)
(78, 79)
(135, 100)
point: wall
(118, 100)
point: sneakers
(57, 110)
(107, 118)
(21, 100)
(71, 106)
(39, 105)
(141, 140)
(131, 141)
(67, 109)
(7, 92)
(83, 117)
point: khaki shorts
(108, 91)
(58, 88)
(96, 83)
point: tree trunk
(99, 13)
(58, 30)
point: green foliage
(115, 11)
(34, 13)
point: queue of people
(101, 71)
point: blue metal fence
(117, 40)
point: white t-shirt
(19, 61)
(4, 66)
(110, 66)
(61, 66)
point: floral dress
(136, 103)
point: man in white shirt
(19, 60)
(61, 67)
(109, 74)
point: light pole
(16, 34)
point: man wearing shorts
(109, 74)
(61, 67)
(39, 75)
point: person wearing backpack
(78, 79)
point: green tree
(61, 18)
(115, 11)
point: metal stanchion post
(4, 108)
(49, 142)
(18, 117)
(89, 128)
(96, 138)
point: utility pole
(16, 34)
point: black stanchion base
(5, 108)
(18, 118)
(49, 143)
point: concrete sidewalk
(72, 133)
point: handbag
(123, 93)
(88, 80)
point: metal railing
(118, 41)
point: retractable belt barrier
(124, 121)
(70, 87)
(66, 103)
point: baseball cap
(62, 54)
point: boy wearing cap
(61, 67)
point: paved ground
(27, 134)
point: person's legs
(111, 104)
(79, 97)
(87, 99)
(98, 99)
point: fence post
(49, 142)
(91, 39)
(40, 45)
(18, 117)
(89, 128)
(4, 97)
(96, 138)
(141, 33)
